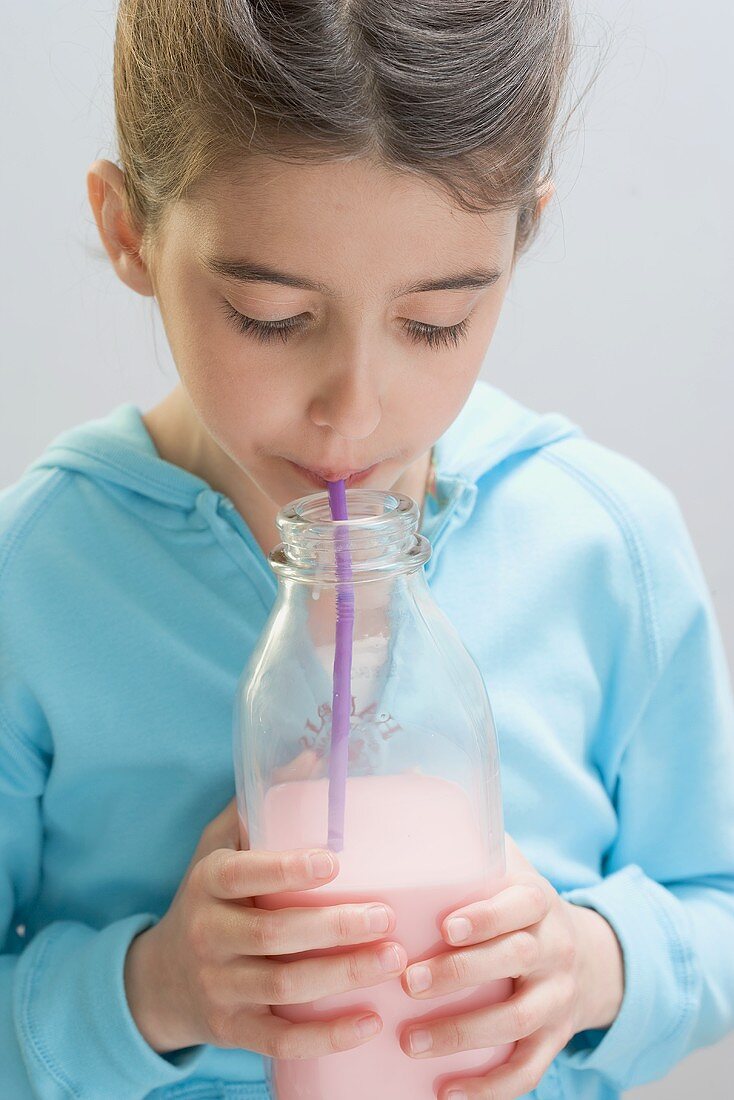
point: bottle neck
(380, 536)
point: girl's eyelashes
(267, 331)
(437, 335)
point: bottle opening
(381, 535)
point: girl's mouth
(322, 477)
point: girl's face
(329, 317)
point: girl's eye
(267, 331)
(437, 335)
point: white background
(620, 317)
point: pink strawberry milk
(413, 844)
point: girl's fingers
(273, 982)
(519, 1075)
(512, 956)
(278, 1038)
(230, 875)
(515, 907)
(241, 930)
(521, 1015)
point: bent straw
(341, 708)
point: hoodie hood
(117, 448)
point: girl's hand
(568, 971)
(204, 973)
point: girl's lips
(317, 479)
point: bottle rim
(381, 536)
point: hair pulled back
(465, 93)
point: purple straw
(341, 708)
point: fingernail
(378, 918)
(366, 1026)
(419, 978)
(420, 1042)
(458, 929)
(389, 958)
(321, 864)
(457, 1094)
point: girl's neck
(180, 439)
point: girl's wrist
(601, 968)
(146, 992)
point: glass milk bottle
(421, 824)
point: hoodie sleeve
(65, 1026)
(668, 883)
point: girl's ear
(544, 197)
(121, 239)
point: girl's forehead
(282, 195)
(347, 229)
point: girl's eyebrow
(246, 271)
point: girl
(327, 201)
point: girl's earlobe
(544, 196)
(122, 240)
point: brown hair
(463, 92)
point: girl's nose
(348, 401)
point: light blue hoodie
(131, 594)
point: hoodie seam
(684, 966)
(182, 497)
(216, 1088)
(25, 520)
(224, 530)
(621, 516)
(36, 1043)
(11, 543)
